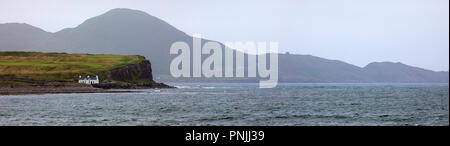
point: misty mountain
(307, 68)
(20, 36)
(125, 31)
(399, 72)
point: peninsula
(37, 72)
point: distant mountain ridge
(399, 72)
(126, 31)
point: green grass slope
(58, 66)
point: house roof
(86, 78)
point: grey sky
(415, 32)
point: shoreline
(43, 93)
(6, 90)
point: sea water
(238, 104)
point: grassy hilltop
(59, 66)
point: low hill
(33, 67)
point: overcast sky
(415, 32)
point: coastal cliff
(132, 76)
(133, 73)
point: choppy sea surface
(238, 104)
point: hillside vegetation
(59, 66)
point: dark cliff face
(133, 73)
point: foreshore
(73, 88)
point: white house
(88, 80)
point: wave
(208, 87)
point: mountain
(20, 36)
(125, 31)
(399, 72)
(307, 68)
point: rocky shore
(74, 88)
(131, 86)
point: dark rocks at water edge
(131, 86)
(74, 88)
(48, 88)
